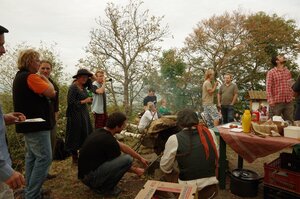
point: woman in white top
(149, 115)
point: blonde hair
(99, 71)
(44, 61)
(150, 105)
(26, 57)
(209, 73)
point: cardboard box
(153, 188)
(292, 132)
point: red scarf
(201, 130)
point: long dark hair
(187, 118)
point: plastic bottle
(246, 121)
(90, 94)
(255, 116)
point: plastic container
(281, 178)
(246, 121)
(255, 116)
(271, 192)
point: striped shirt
(279, 89)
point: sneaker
(114, 192)
(109, 193)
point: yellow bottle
(246, 121)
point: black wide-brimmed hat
(83, 71)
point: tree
(242, 45)
(124, 45)
(174, 84)
(8, 63)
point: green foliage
(243, 46)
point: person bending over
(101, 164)
(196, 150)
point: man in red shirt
(279, 89)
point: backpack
(59, 152)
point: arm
(50, 91)
(296, 86)
(12, 118)
(41, 85)
(73, 97)
(235, 95)
(169, 155)
(219, 99)
(12, 178)
(234, 99)
(211, 90)
(101, 90)
(126, 149)
(269, 89)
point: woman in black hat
(78, 120)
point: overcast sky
(68, 22)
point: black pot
(244, 183)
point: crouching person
(101, 164)
(196, 150)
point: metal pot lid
(245, 174)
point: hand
(138, 171)
(43, 77)
(216, 83)
(89, 100)
(12, 118)
(219, 105)
(16, 180)
(144, 162)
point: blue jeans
(227, 113)
(37, 162)
(108, 174)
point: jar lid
(245, 174)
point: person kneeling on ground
(149, 115)
(101, 164)
(196, 150)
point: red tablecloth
(253, 147)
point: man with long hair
(195, 148)
(279, 89)
(208, 90)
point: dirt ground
(67, 186)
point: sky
(67, 23)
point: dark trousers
(108, 174)
(285, 109)
(227, 113)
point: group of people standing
(34, 97)
(226, 96)
(281, 91)
(100, 161)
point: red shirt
(278, 86)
